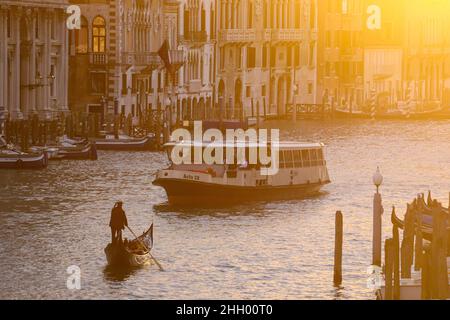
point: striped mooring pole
(373, 103)
(408, 102)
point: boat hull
(118, 256)
(387, 115)
(189, 192)
(145, 144)
(24, 162)
(85, 152)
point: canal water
(56, 218)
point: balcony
(141, 59)
(176, 58)
(287, 35)
(195, 85)
(237, 35)
(195, 36)
(96, 58)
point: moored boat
(125, 143)
(395, 114)
(135, 253)
(67, 151)
(13, 159)
(301, 172)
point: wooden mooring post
(389, 264)
(396, 262)
(339, 226)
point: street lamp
(377, 178)
(378, 210)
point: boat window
(320, 156)
(298, 158)
(305, 158)
(282, 163)
(313, 154)
(289, 160)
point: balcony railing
(195, 36)
(98, 58)
(238, 35)
(141, 59)
(176, 57)
(287, 35)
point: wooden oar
(143, 244)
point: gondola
(427, 225)
(125, 143)
(131, 253)
(65, 151)
(78, 152)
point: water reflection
(58, 217)
(119, 273)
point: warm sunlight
(225, 149)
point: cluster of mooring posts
(40, 132)
(416, 261)
(417, 267)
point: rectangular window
(251, 57)
(52, 27)
(248, 91)
(289, 57)
(282, 162)
(264, 57)
(305, 158)
(263, 90)
(133, 110)
(321, 157)
(98, 83)
(124, 84)
(122, 110)
(289, 159)
(36, 27)
(8, 24)
(298, 158)
(273, 57)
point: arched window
(312, 14)
(81, 37)
(203, 19)
(98, 35)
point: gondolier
(118, 222)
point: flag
(163, 53)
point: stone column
(16, 88)
(3, 60)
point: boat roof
(230, 144)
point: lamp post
(168, 118)
(377, 221)
(294, 107)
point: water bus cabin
(301, 172)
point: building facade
(341, 52)
(266, 56)
(33, 59)
(197, 39)
(427, 52)
(115, 67)
(384, 55)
